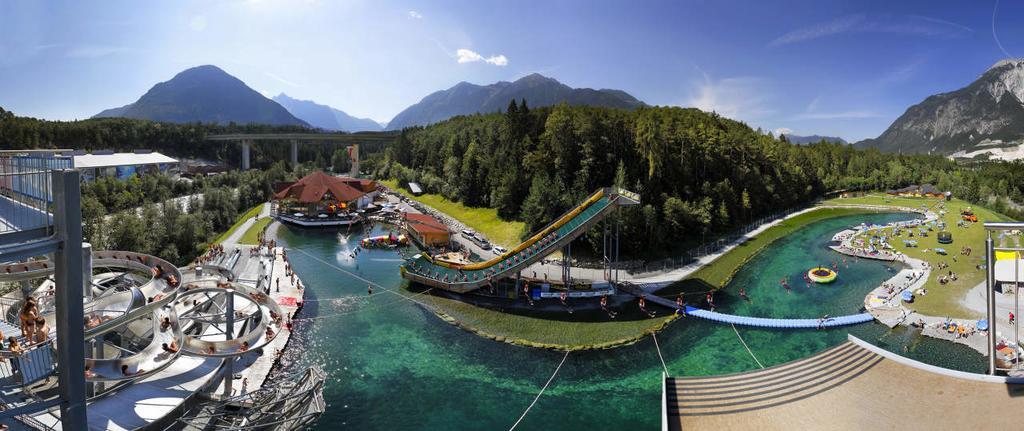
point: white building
(123, 165)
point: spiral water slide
(153, 297)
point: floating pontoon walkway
(763, 322)
(760, 322)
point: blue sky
(835, 68)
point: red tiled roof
(425, 223)
(361, 184)
(313, 187)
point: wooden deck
(848, 387)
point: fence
(25, 190)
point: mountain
(988, 113)
(538, 90)
(813, 139)
(326, 117)
(205, 94)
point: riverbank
(943, 299)
(712, 272)
(545, 333)
(886, 304)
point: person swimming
(743, 294)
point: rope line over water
(366, 308)
(745, 346)
(368, 281)
(559, 367)
(662, 358)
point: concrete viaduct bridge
(294, 139)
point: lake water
(392, 365)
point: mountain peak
(538, 90)
(988, 112)
(205, 94)
(536, 77)
(1015, 62)
(325, 117)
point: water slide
(424, 269)
(258, 311)
(155, 298)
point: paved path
(851, 386)
(238, 233)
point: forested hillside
(177, 140)
(699, 174)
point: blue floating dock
(762, 322)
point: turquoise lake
(393, 365)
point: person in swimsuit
(42, 333)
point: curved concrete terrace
(852, 386)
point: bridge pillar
(294, 153)
(246, 144)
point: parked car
(499, 250)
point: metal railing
(26, 194)
(1004, 272)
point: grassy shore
(252, 235)
(483, 220)
(718, 273)
(252, 212)
(545, 333)
(942, 299)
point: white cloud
(783, 131)
(198, 23)
(836, 26)
(741, 98)
(860, 23)
(468, 56)
(814, 104)
(281, 80)
(415, 15)
(94, 51)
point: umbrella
(983, 325)
(907, 296)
